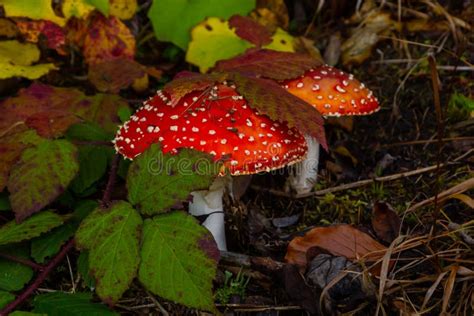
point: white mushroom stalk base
(303, 175)
(209, 202)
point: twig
(250, 261)
(110, 184)
(352, 185)
(39, 279)
(25, 262)
(440, 132)
(430, 141)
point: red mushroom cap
(333, 92)
(217, 121)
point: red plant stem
(25, 262)
(39, 279)
(110, 184)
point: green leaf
(124, 113)
(13, 275)
(213, 40)
(5, 298)
(101, 5)
(88, 131)
(92, 167)
(23, 313)
(172, 20)
(83, 209)
(33, 9)
(179, 260)
(60, 304)
(112, 237)
(49, 244)
(157, 182)
(4, 202)
(83, 269)
(41, 175)
(34, 226)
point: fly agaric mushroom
(333, 93)
(221, 123)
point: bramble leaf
(34, 226)
(78, 304)
(14, 275)
(49, 244)
(250, 30)
(156, 181)
(92, 167)
(5, 298)
(112, 237)
(173, 20)
(213, 40)
(269, 98)
(269, 64)
(179, 260)
(113, 75)
(41, 175)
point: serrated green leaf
(23, 313)
(83, 269)
(32, 227)
(179, 260)
(124, 113)
(172, 20)
(112, 237)
(41, 175)
(92, 167)
(49, 244)
(88, 131)
(83, 209)
(213, 40)
(5, 298)
(13, 275)
(78, 304)
(157, 182)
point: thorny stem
(25, 262)
(39, 279)
(46, 270)
(110, 184)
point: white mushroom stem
(209, 202)
(303, 175)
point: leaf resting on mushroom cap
(263, 95)
(269, 64)
(269, 98)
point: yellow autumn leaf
(16, 60)
(123, 9)
(281, 41)
(33, 9)
(213, 40)
(76, 8)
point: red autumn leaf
(113, 75)
(41, 105)
(250, 30)
(51, 124)
(338, 240)
(269, 64)
(264, 95)
(269, 98)
(9, 154)
(385, 222)
(53, 33)
(102, 38)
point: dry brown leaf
(8, 29)
(385, 222)
(339, 240)
(358, 47)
